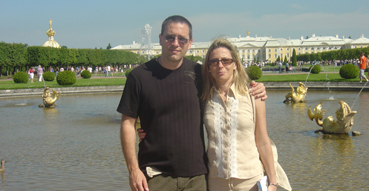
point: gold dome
(50, 33)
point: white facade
(265, 48)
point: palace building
(265, 49)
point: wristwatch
(271, 184)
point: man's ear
(160, 38)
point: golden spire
(50, 32)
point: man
(164, 94)
(362, 67)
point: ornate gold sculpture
(297, 96)
(343, 124)
(50, 98)
(50, 33)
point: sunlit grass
(9, 84)
(330, 73)
(291, 77)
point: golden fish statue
(50, 98)
(343, 124)
(297, 96)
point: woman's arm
(263, 143)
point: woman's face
(221, 65)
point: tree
(278, 59)
(4, 56)
(294, 58)
(108, 47)
(17, 56)
(285, 60)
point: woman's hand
(141, 134)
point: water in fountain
(146, 40)
(359, 94)
(326, 77)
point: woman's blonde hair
(240, 78)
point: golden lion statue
(297, 96)
(343, 124)
(50, 98)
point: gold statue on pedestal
(298, 96)
(343, 124)
(50, 98)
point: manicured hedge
(349, 71)
(20, 77)
(128, 71)
(66, 78)
(254, 72)
(49, 76)
(316, 69)
(86, 74)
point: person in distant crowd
(56, 71)
(280, 67)
(61, 69)
(362, 66)
(31, 74)
(287, 67)
(164, 93)
(40, 71)
(108, 70)
(112, 71)
(367, 64)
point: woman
(40, 71)
(239, 149)
(31, 74)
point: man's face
(175, 41)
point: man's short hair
(176, 19)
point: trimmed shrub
(254, 72)
(316, 69)
(49, 76)
(128, 71)
(349, 71)
(66, 78)
(86, 74)
(20, 77)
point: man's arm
(137, 180)
(258, 90)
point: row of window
(307, 48)
(269, 50)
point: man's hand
(258, 90)
(137, 180)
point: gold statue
(343, 124)
(50, 98)
(297, 96)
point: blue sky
(95, 23)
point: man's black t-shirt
(167, 103)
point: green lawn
(9, 84)
(307, 66)
(331, 75)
